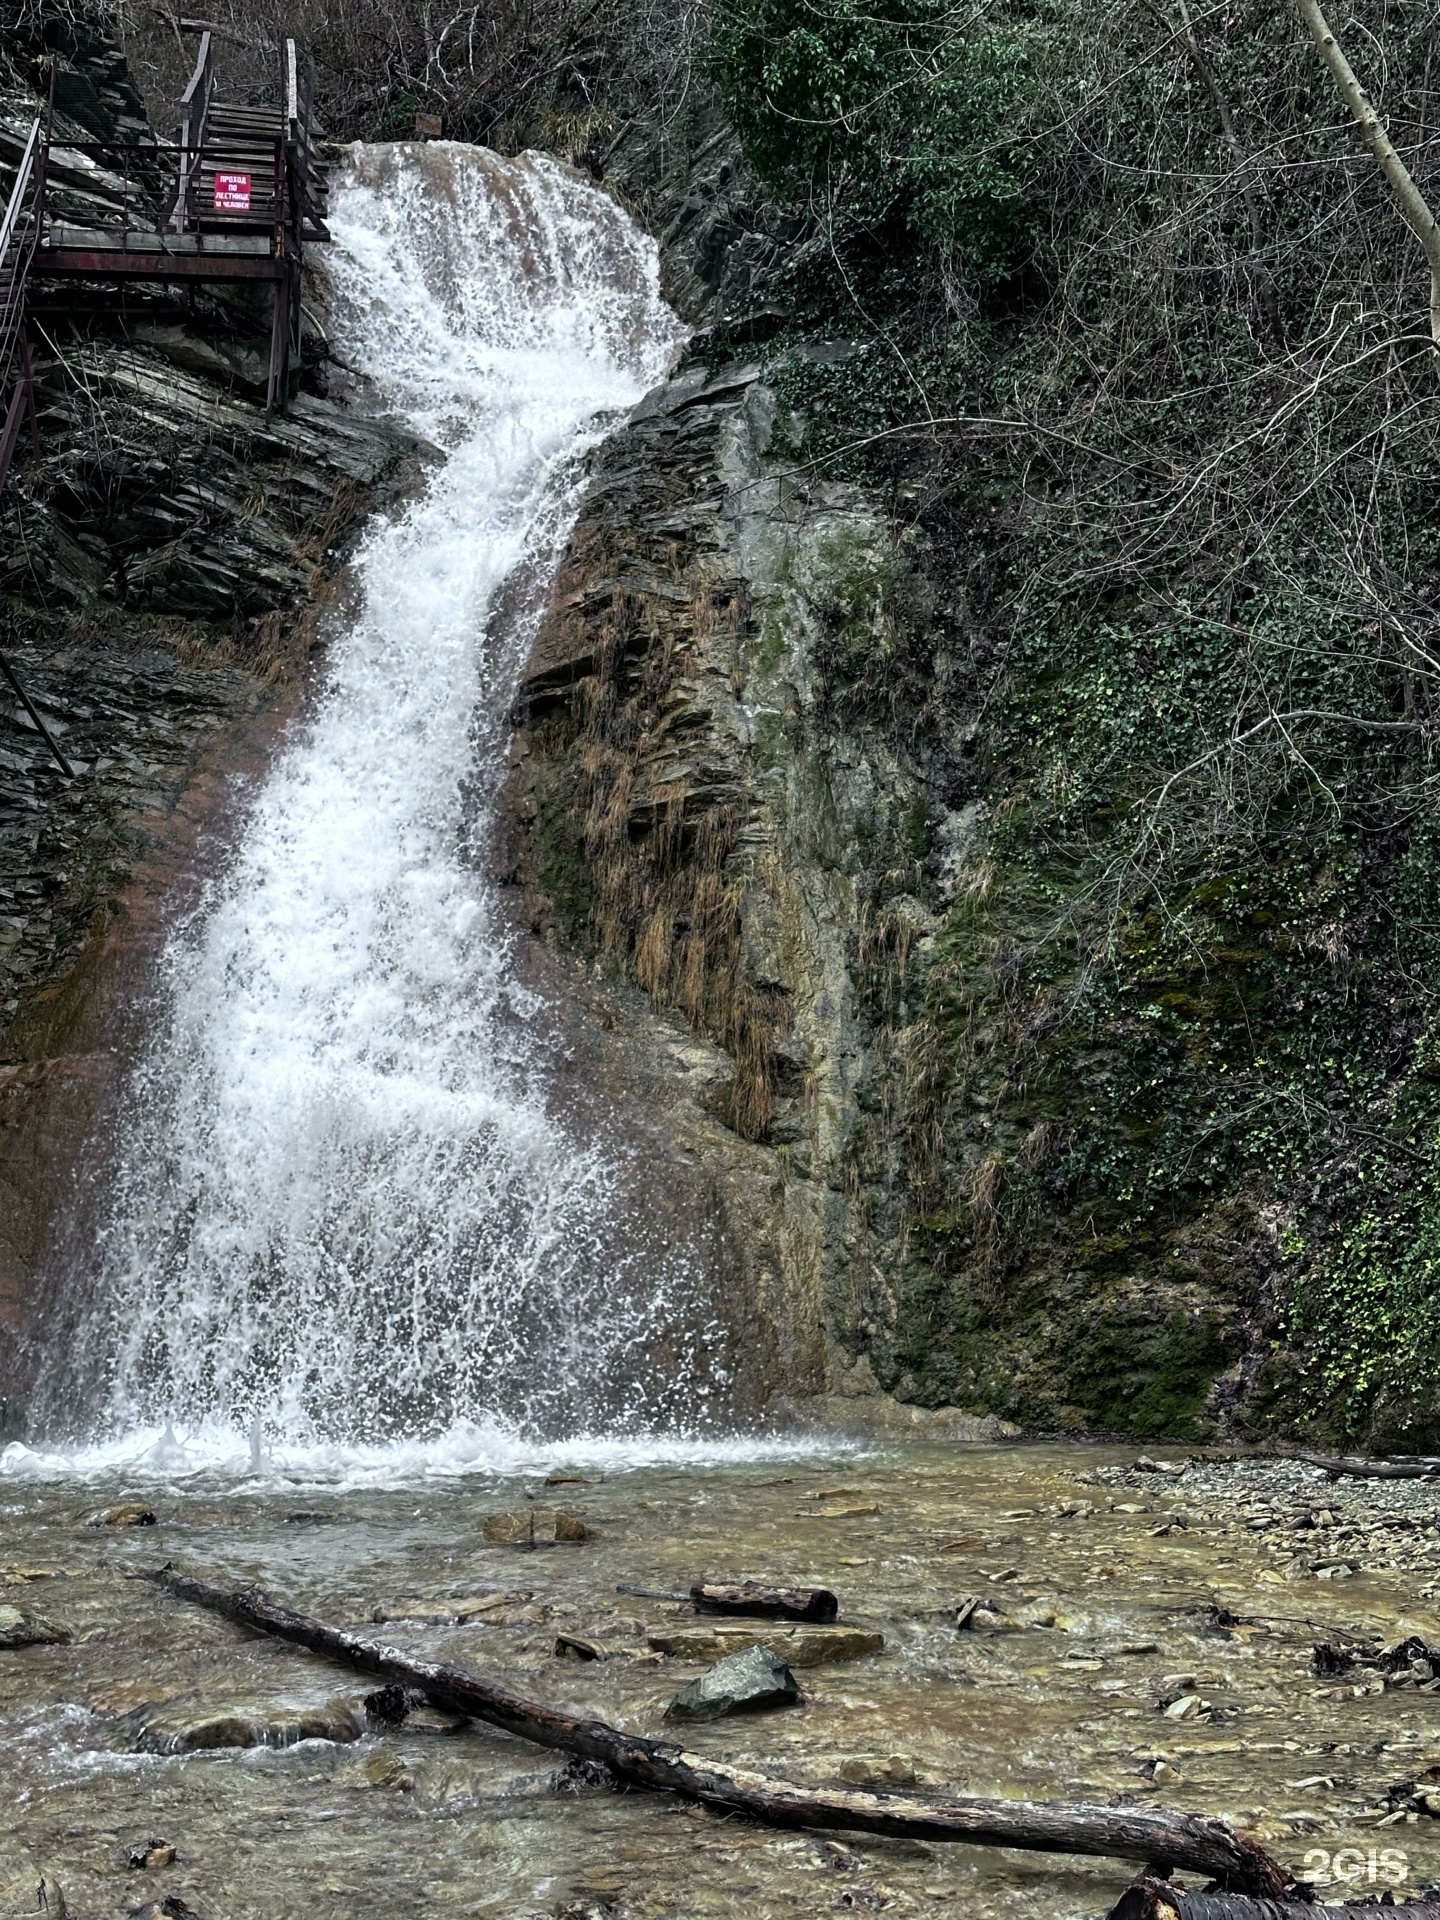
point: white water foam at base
(211, 1453)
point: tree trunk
(1151, 1899)
(1124, 1833)
(1349, 1467)
(1408, 197)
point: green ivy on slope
(907, 107)
(1179, 1080)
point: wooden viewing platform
(236, 196)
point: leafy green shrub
(904, 108)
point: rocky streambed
(1140, 1632)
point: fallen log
(1189, 1841)
(814, 1604)
(1149, 1899)
(1352, 1467)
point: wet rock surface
(27, 1887)
(684, 806)
(753, 1681)
(21, 1628)
(180, 1727)
(802, 1646)
(166, 563)
(428, 1813)
(537, 1527)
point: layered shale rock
(690, 806)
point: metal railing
(194, 112)
(19, 233)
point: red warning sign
(232, 193)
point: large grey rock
(745, 1682)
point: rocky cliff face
(692, 803)
(801, 900)
(749, 779)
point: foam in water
(342, 1207)
(212, 1452)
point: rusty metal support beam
(34, 713)
(104, 264)
(20, 401)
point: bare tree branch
(1408, 197)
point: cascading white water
(342, 1205)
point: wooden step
(254, 129)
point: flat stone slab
(452, 1613)
(27, 1887)
(802, 1645)
(536, 1527)
(21, 1628)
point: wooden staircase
(249, 168)
(248, 192)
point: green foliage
(911, 110)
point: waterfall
(343, 1212)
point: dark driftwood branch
(1122, 1833)
(1150, 1899)
(1350, 1467)
(767, 1603)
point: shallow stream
(1127, 1565)
(353, 1255)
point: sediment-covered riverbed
(1143, 1633)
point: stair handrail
(292, 90)
(192, 127)
(300, 125)
(17, 192)
(17, 250)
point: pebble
(573, 1646)
(384, 1771)
(131, 1513)
(1187, 1706)
(151, 1855)
(882, 1775)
